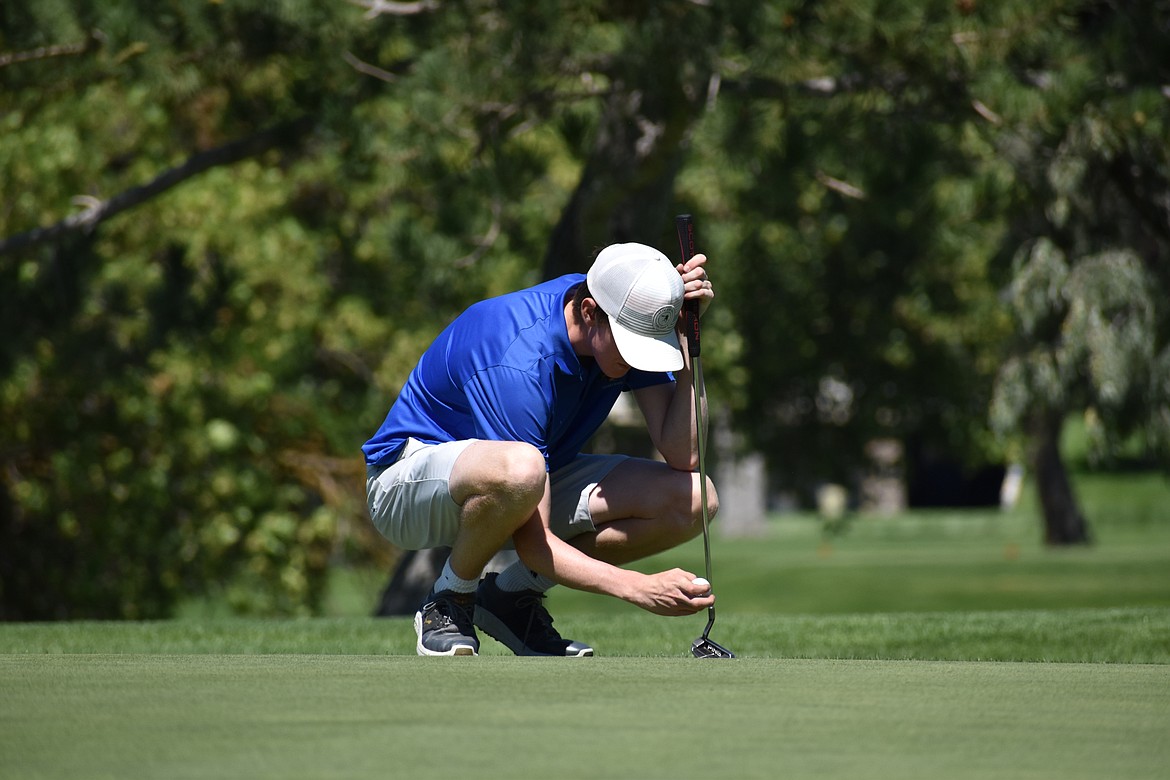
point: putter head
(704, 647)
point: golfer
(482, 451)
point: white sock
(519, 577)
(449, 580)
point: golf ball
(701, 581)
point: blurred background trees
(229, 228)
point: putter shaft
(697, 391)
(703, 647)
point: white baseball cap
(641, 292)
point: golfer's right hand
(672, 593)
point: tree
(658, 76)
(166, 376)
(314, 195)
(1082, 119)
(279, 205)
(844, 177)
(1087, 342)
(875, 170)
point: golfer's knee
(516, 478)
(712, 502)
(499, 482)
(685, 511)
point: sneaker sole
(495, 628)
(455, 649)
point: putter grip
(685, 225)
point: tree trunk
(627, 184)
(1063, 522)
(411, 581)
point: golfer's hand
(696, 284)
(673, 593)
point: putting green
(292, 716)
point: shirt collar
(566, 358)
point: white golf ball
(701, 581)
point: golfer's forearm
(560, 561)
(680, 448)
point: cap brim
(647, 353)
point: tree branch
(92, 41)
(96, 211)
(367, 69)
(376, 8)
(485, 243)
(765, 87)
(842, 187)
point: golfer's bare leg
(498, 486)
(644, 507)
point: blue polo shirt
(504, 370)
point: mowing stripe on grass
(1085, 635)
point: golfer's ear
(589, 309)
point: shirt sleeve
(509, 405)
(636, 380)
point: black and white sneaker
(521, 623)
(444, 625)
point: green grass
(1131, 635)
(941, 562)
(931, 645)
(923, 561)
(316, 716)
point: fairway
(906, 649)
(257, 716)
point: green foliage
(184, 385)
(1090, 331)
(164, 379)
(871, 208)
(1085, 141)
(855, 215)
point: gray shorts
(410, 500)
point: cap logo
(665, 317)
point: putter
(704, 646)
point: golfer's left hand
(696, 282)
